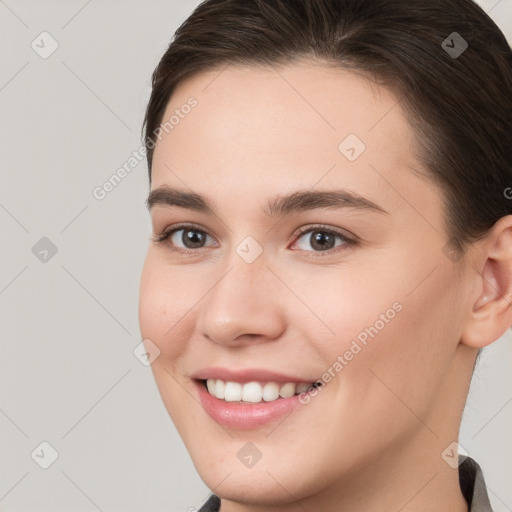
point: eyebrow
(299, 201)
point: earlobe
(491, 313)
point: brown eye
(191, 238)
(321, 239)
(183, 238)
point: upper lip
(246, 375)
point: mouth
(250, 405)
(255, 392)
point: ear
(491, 313)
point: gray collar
(473, 486)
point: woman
(331, 249)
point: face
(316, 255)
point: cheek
(165, 299)
(407, 360)
(383, 324)
(339, 305)
(151, 309)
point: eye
(322, 239)
(185, 239)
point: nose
(244, 306)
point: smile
(254, 392)
(249, 405)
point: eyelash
(163, 238)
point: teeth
(287, 390)
(270, 391)
(210, 384)
(253, 392)
(233, 392)
(302, 387)
(220, 388)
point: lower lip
(245, 416)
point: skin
(372, 438)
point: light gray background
(69, 326)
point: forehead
(319, 103)
(282, 128)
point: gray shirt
(471, 481)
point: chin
(270, 481)
(256, 487)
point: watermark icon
(454, 45)
(44, 250)
(44, 455)
(44, 45)
(356, 346)
(249, 455)
(249, 249)
(101, 191)
(454, 455)
(146, 352)
(508, 193)
(352, 147)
